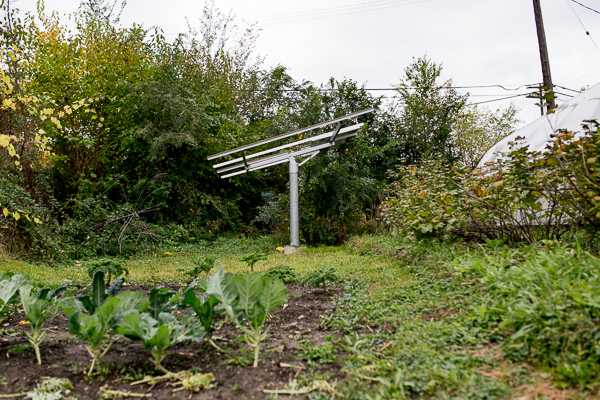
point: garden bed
(63, 356)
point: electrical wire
(584, 28)
(503, 98)
(584, 6)
(330, 9)
(358, 11)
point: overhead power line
(583, 26)
(584, 6)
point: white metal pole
(294, 220)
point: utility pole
(539, 24)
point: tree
(476, 130)
(428, 111)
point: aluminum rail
(285, 157)
(289, 134)
(286, 146)
(273, 160)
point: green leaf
(70, 306)
(9, 288)
(130, 300)
(273, 295)
(159, 300)
(98, 294)
(226, 294)
(249, 287)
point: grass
(426, 319)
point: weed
(283, 272)
(320, 277)
(320, 354)
(253, 258)
(21, 348)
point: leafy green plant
(319, 277)
(109, 267)
(37, 309)
(319, 354)
(253, 258)
(9, 290)
(204, 308)
(248, 299)
(159, 334)
(283, 272)
(97, 330)
(160, 300)
(96, 298)
(202, 265)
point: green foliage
(202, 265)
(161, 301)
(523, 196)
(283, 272)
(109, 267)
(253, 258)
(319, 354)
(9, 290)
(99, 294)
(320, 277)
(476, 130)
(37, 309)
(248, 299)
(97, 330)
(429, 111)
(427, 200)
(159, 334)
(204, 308)
(547, 306)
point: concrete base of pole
(289, 249)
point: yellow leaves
(5, 212)
(9, 103)
(4, 78)
(56, 122)
(4, 141)
(47, 111)
(16, 216)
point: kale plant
(248, 299)
(319, 277)
(37, 309)
(253, 258)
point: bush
(523, 196)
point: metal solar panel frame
(307, 147)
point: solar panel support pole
(294, 215)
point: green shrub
(319, 277)
(283, 272)
(523, 196)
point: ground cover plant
(421, 319)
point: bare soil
(63, 356)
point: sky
(477, 42)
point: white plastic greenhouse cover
(569, 115)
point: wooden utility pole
(539, 24)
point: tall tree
(428, 111)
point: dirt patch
(540, 388)
(64, 357)
(438, 313)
